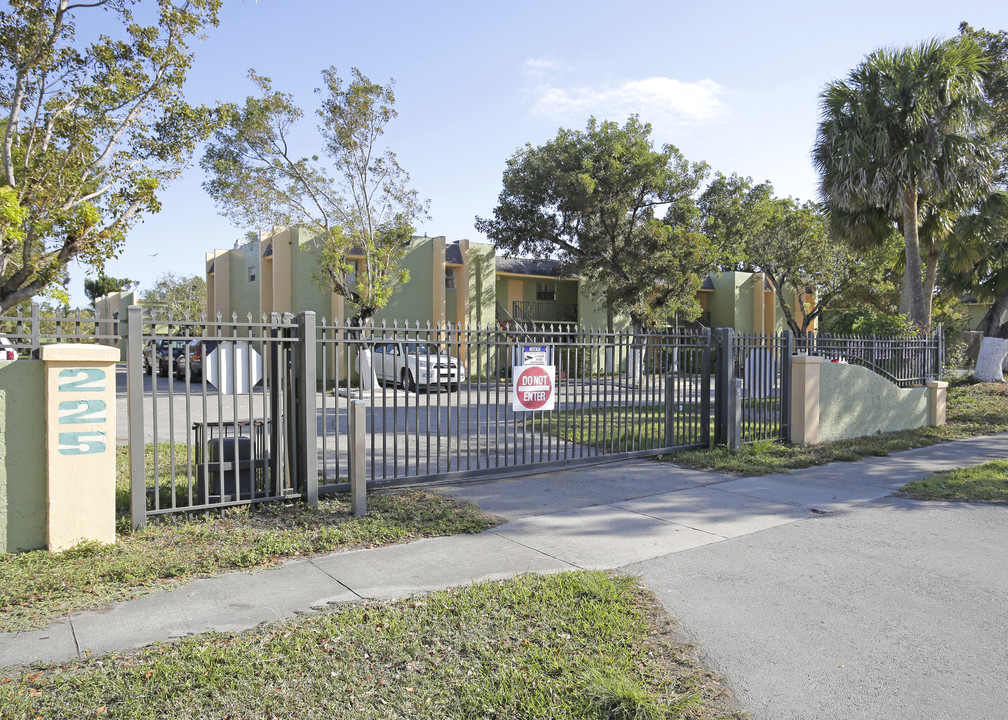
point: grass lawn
(37, 586)
(571, 645)
(987, 482)
(973, 409)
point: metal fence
(441, 402)
(907, 360)
(41, 326)
(753, 386)
(252, 411)
(236, 412)
(219, 423)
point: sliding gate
(439, 402)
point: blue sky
(730, 83)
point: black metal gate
(441, 401)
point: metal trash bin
(238, 481)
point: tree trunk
(930, 278)
(912, 276)
(365, 367)
(365, 364)
(610, 350)
(992, 324)
(904, 300)
(635, 360)
(990, 361)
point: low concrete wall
(854, 401)
(22, 456)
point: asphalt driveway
(892, 609)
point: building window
(252, 273)
(449, 278)
(351, 276)
(546, 291)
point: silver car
(415, 364)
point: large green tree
(616, 211)
(907, 125)
(357, 200)
(178, 296)
(789, 243)
(102, 285)
(733, 212)
(975, 261)
(91, 130)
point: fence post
(787, 355)
(135, 417)
(358, 476)
(306, 417)
(36, 329)
(669, 407)
(722, 392)
(705, 388)
(939, 353)
(734, 414)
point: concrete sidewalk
(606, 516)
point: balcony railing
(544, 311)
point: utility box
(230, 468)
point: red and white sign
(533, 387)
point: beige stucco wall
(80, 443)
(855, 402)
(22, 456)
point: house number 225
(81, 411)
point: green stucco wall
(975, 313)
(723, 302)
(854, 402)
(244, 295)
(413, 302)
(22, 456)
(305, 291)
(482, 287)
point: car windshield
(422, 349)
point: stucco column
(438, 281)
(80, 443)
(805, 399)
(937, 392)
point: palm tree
(906, 125)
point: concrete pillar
(80, 443)
(937, 392)
(805, 399)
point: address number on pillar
(82, 411)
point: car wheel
(407, 381)
(454, 387)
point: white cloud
(666, 103)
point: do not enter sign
(533, 387)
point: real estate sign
(534, 387)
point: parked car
(191, 358)
(7, 349)
(414, 364)
(166, 352)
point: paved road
(895, 609)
